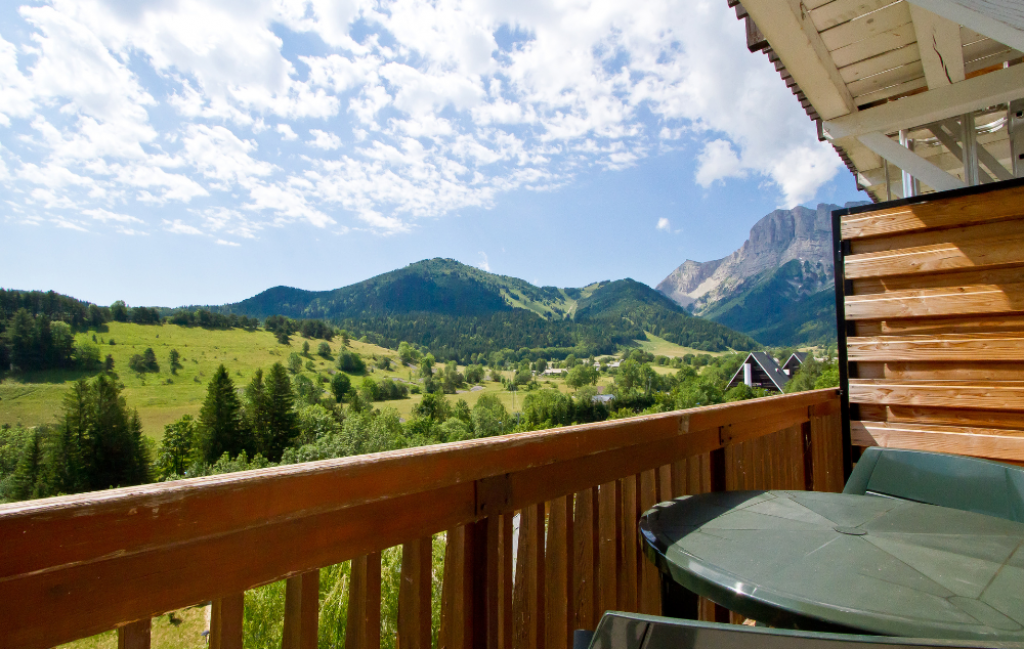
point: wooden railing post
(559, 579)
(135, 635)
(650, 579)
(628, 578)
(585, 570)
(226, 616)
(609, 552)
(827, 446)
(302, 611)
(504, 584)
(528, 602)
(414, 595)
(362, 630)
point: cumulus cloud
(663, 224)
(413, 109)
(485, 263)
(324, 140)
(286, 132)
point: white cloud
(485, 263)
(177, 227)
(718, 161)
(222, 242)
(104, 216)
(324, 140)
(168, 103)
(286, 132)
(663, 224)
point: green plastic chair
(634, 631)
(953, 481)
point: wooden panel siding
(934, 334)
(78, 565)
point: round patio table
(826, 561)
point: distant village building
(554, 371)
(602, 398)
(793, 363)
(760, 370)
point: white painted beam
(788, 27)
(936, 105)
(910, 163)
(1000, 20)
(938, 41)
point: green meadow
(162, 397)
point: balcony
(931, 316)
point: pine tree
(30, 468)
(281, 418)
(220, 420)
(176, 448)
(116, 456)
(257, 405)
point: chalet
(759, 370)
(793, 363)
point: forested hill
(440, 286)
(458, 310)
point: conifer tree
(30, 468)
(257, 406)
(281, 418)
(176, 448)
(220, 420)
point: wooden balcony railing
(75, 566)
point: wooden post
(610, 556)
(505, 585)
(414, 595)
(453, 614)
(559, 578)
(585, 571)
(135, 635)
(628, 533)
(226, 616)
(301, 611)
(650, 577)
(530, 573)
(362, 630)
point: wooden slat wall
(934, 302)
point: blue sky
(170, 152)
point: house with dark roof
(760, 370)
(793, 363)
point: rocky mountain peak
(779, 237)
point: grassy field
(162, 397)
(661, 347)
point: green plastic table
(842, 562)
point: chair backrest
(953, 481)
(634, 631)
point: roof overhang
(911, 91)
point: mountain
(458, 310)
(778, 287)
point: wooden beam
(979, 442)
(787, 24)
(933, 106)
(951, 347)
(938, 40)
(1000, 20)
(910, 162)
(978, 395)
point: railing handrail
(106, 558)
